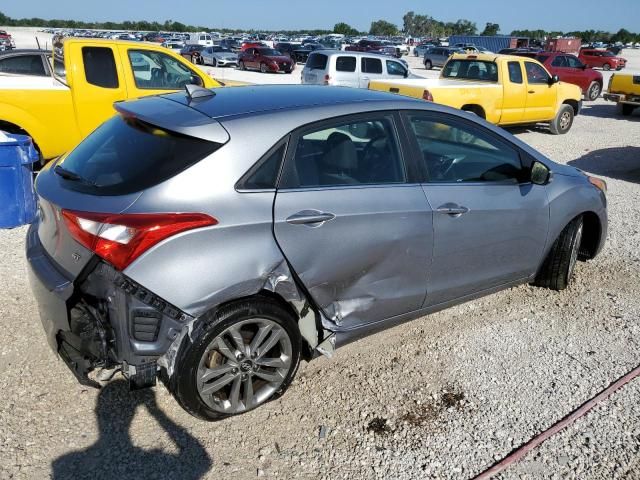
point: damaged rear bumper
(102, 319)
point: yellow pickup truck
(503, 89)
(85, 78)
(624, 89)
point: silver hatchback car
(215, 238)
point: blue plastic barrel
(17, 196)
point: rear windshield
(317, 61)
(471, 70)
(125, 155)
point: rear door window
(100, 67)
(515, 72)
(346, 64)
(125, 155)
(317, 61)
(347, 153)
(371, 65)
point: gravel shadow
(608, 111)
(115, 456)
(621, 163)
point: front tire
(563, 121)
(557, 269)
(606, 67)
(245, 355)
(593, 92)
(241, 65)
(263, 68)
(428, 65)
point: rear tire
(593, 92)
(557, 269)
(563, 121)
(241, 65)
(200, 396)
(263, 68)
(606, 67)
(625, 109)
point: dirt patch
(379, 426)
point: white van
(200, 39)
(351, 69)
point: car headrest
(341, 153)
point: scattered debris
(379, 426)
(324, 430)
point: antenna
(196, 92)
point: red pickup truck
(570, 69)
(601, 59)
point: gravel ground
(444, 396)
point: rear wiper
(69, 175)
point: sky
(550, 15)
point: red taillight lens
(120, 239)
(327, 79)
(426, 95)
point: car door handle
(452, 209)
(310, 216)
(531, 91)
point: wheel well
(12, 128)
(574, 105)
(591, 232)
(477, 109)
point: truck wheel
(606, 67)
(593, 92)
(563, 121)
(428, 65)
(625, 109)
(557, 269)
(243, 356)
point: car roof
(257, 99)
(24, 51)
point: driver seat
(339, 161)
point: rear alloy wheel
(563, 121)
(594, 91)
(263, 68)
(606, 67)
(428, 65)
(245, 356)
(557, 269)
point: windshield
(221, 49)
(463, 69)
(269, 52)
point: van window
(371, 65)
(125, 155)
(346, 64)
(317, 61)
(100, 67)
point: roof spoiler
(174, 117)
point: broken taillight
(120, 239)
(426, 95)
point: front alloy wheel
(594, 91)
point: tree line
(414, 25)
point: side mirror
(554, 79)
(196, 80)
(540, 174)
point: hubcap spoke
(259, 338)
(272, 362)
(235, 393)
(224, 348)
(213, 387)
(269, 344)
(268, 376)
(248, 392)
(211, 373)
(238, 340)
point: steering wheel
(371, 150)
